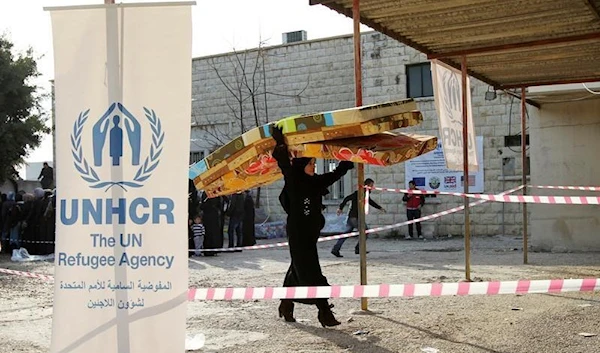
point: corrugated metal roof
(507, 43)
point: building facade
(243, 89)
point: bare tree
(243, 75)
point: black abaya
(303, 195)
(248, 232)
(212, 219)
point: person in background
(48, 225)
(248, 222)
(47, 176)
(27, 232)
(302, 199)
(212, 211)
(13, 223)
(193, 210)
(198, 231)
(191, 245)
(414, 202)
(352, 221)
(235, 212)
(5, 226)
(2, 200)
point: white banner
(447, 90)
(429, 172)
(123, 107)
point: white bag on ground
(22, 255)
(194, 342)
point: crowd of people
(28, 220)
(206, 220)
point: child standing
(198, 231)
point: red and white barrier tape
(26, 274)
(580, 188)
(549, 200)
(552, 200)
(367, 201)
(380, 290)
(398, 290)
(368, 231)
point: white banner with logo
(429, 172)
(447, 90)
(123, 107)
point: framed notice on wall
(430, 173)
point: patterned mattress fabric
(381, 149)
(252, 146)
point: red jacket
(413, 201)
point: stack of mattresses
(357, 134)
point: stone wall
(318, 76)
(566, 134)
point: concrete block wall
(317, 76)
(566, 133)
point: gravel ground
(504, 323)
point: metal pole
(524, 169)
(114, 83)
(362, 240)
(465, 142)
(503, 188)
(53, 132)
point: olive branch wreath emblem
(87, 172)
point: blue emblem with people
(110, 131)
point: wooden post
(524, 167)
(465, 142)
(362, 241)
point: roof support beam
(497, 48)
(593, 8)
(527, 100)
(320, 2)
(381, 29)
(546, 83)
(368, 22)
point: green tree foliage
(22, 123)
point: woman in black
(248, 223)
(212, 209)
(303, 192)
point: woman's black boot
(325, 316)
(286, 310)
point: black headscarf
(299, 163)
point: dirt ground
(482, 324)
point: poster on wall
(430, 173)
(122, 90)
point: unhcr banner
(447, 89)
(123, 100)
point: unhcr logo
(109, 132)
(116, 141)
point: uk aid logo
(116, 142)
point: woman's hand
(346, 164)
(277, 134)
